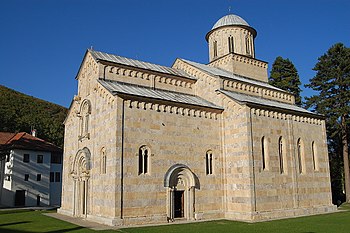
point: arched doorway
(181, 183)
(81, 173)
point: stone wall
(173, 138)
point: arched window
(209, 162)
(314, 156)
(231, 47)
(280, 154)
(264, 153)
(247, 45)
(103, 161)
(144, 154)
(85, 111)
(215, 47)
(300, 155)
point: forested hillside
(20, 113)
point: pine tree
(332, 82)
(284, 75)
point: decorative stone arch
(82, 162)
(81, 173)
(85, 112)
(181, 183)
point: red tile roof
(25, 141)
(5, 137)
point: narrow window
(263, 154)
(231, 44)
(103, 161)
(26, 158)
(26, 177)
(81, 123)
(209, 162)
(143, 156)
(299, 151)
(140, 161)
(38, 177)
(145, 161)
(247, 45)
(39, 158)
(85, 112)
(314, 156)
(7, 158)
(57, 177)
(86, 124)
(8, 178)
(215, 46)
(280, 154)
(52, 177)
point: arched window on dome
(231, 45)
(215, 49)
(247, 45)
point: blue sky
(42, 42)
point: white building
(30, 171)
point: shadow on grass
(10, 224)
(13, 223)
(67, 230)
(2, 212)
(19, 231)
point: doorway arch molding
(80, 172)
(181, 183)
(174, 171)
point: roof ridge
(117, 59)
(111, 54)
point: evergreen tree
(284, 75)
(332, 82)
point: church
(145, 143)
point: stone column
(191, 203)
(74, 206)
(171, 207)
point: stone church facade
(146, 143)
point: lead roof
(225, 74)
(242, 98)
(139, 64)
(129, 89)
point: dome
(228, 20)
(231, 20)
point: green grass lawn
(35, 221)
